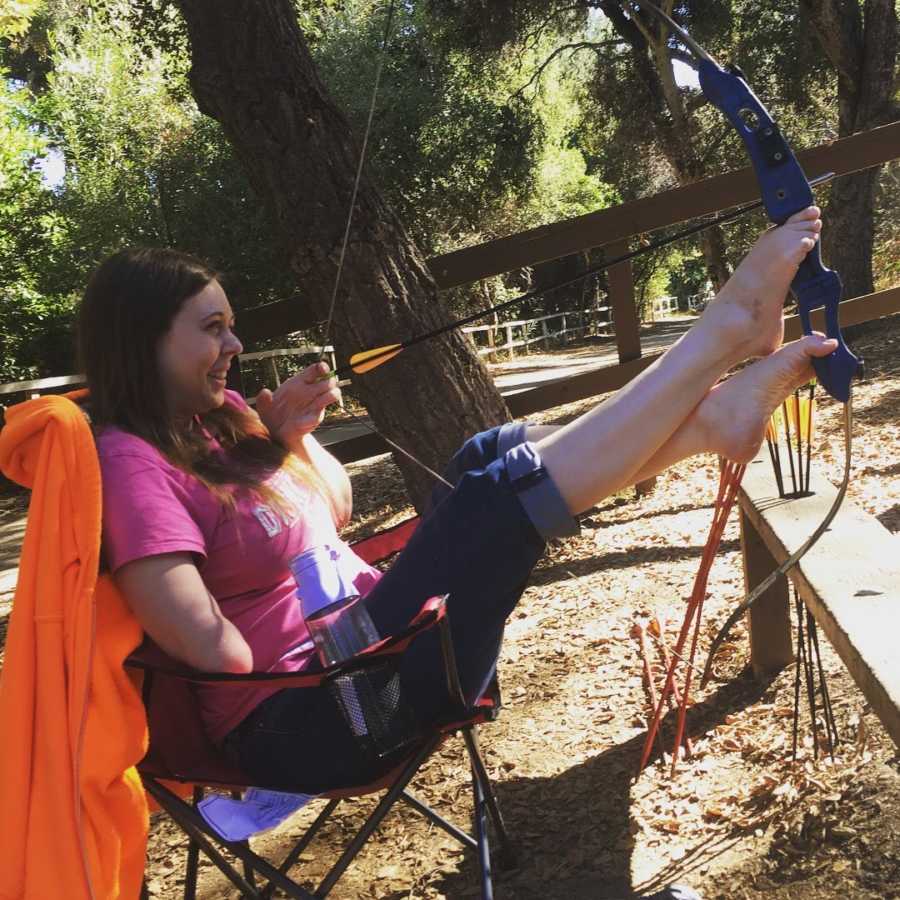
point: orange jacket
(72, 810)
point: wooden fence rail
(610, 228)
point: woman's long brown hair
(129, 304)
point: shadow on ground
(567, 854)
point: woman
(206, 501)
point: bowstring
(382, 55)
(797, 555)
(359, 168)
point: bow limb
(791, 561)
(785, 190)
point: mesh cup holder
(375, 708)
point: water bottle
(337, 618)
(340, 627)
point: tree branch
(625, 25)
(596, 46)
(534, 35)
(647, 33)
(711, 148)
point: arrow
(367, 360)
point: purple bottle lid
(320, 581)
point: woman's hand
(298, 406)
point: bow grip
(783, 185)
(815, 286)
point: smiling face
(194, 354)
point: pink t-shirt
(151, 507)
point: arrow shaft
(393, 350)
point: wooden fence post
(625, 322)
(621, 297)
(771, 647)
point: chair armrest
(150, 658)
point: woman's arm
(174, 607)
(292, 414)
(332, 473)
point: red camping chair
(180, 751)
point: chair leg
(193, 856)
(249, 873)
(465, 839)
(479, 774)
(479, 816)
(248, 868)
(375, 817)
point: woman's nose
(233, 344)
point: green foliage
(493, 116)
(113, 129)
(31, 322)
(448, 147)
(887, 245)
(686, 277)
(142, 166)
(16, 16)
(461, 151)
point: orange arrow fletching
(370, 359)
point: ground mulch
(740, 819)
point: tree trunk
(864, 55)
(712, 241)
(252, 71)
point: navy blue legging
(478, 543)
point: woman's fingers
(326, 397)
(298, 405)
(316, 373)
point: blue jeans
(478, 543)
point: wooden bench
(849, 580)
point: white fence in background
(595, 321)
(272, 355)
(665, 306)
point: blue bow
(785, 190)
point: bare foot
(749, 306)
(734, 413)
